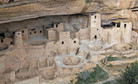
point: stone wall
(120, 33)
(2, 64)
(34, 80)
(66, 44)
(6, 41)
(51, 34)
(35, 32)
(82, 34)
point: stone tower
(95, 20)
(18, 41)
(126, 27)
(94, 25)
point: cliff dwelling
(50, 41)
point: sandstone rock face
(121, 47)
(43, 8)
(37, 37)
(15, 11)
(110, 9)
(72, 23)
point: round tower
(18, 41)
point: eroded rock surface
(49, 41)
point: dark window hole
(62, 42)
(95, 37)
(1, 40)
(118, 24)
(22, 31)
(125, 25)
(11, 1)
(95, 16)
(11, 43)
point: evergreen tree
(130, 75)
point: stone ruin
(29, 55)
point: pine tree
(130, 75)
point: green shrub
(136, 78)
(110, 58)
(124, 57)
(88, 1)
(119, 69)
(130, 75)
(108, 82)
(110, 65)
(121, 81)
(111, 82)
(129, 57)
(99, 73)
(86, 77)
(71, 81)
